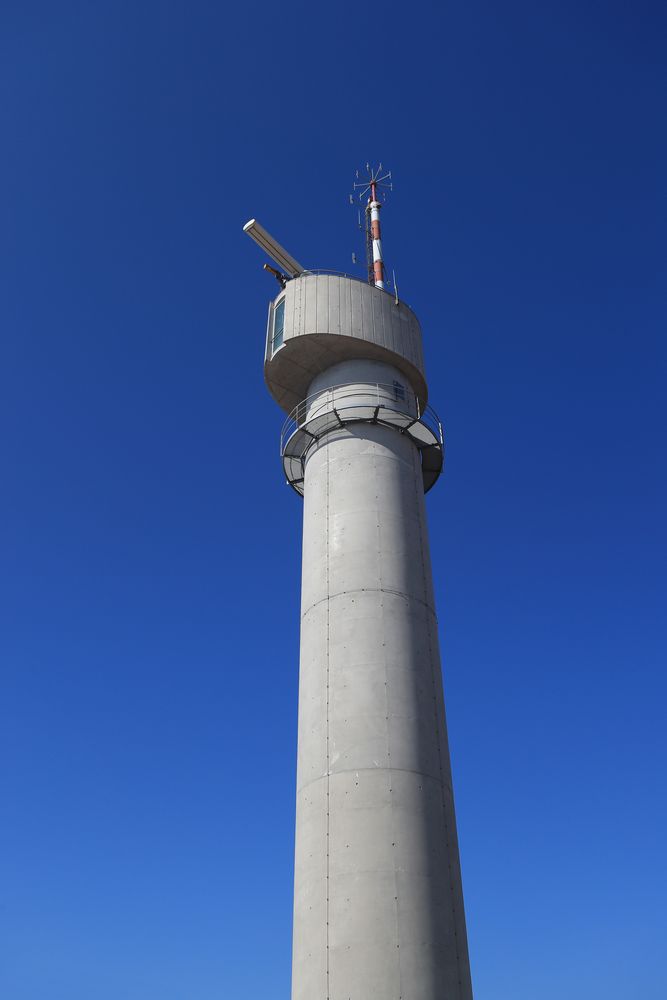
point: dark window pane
(278, 324)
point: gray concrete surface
(378, 907)
(331, 318)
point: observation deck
(361, 403)
(322, 318)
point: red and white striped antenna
(372, 187)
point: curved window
(278, 326)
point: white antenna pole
(376, 271)
(374, 207)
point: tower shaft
(378, 909)
(378, 899)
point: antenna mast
(374, 259)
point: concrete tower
(378, 902)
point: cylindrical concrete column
(378, 909)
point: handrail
(353, 391)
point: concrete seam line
(371, 590)
(397, 925)
(365, 770)
(328, 518)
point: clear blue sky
(150, 550)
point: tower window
(399, 390)
(278, 326)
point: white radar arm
(275, 251)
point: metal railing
(362, 402)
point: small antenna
(371, 186)
(281, 278)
